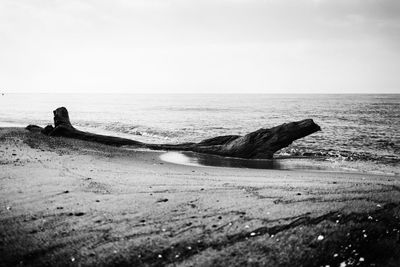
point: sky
(204, 46)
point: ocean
(360, 132)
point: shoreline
(287, 163)
(72, 202)
(311, 163)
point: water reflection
(197, 159)
(309, 164)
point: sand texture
(70, 202)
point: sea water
(359, 132)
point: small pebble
(159, 256)
(247, 226)
(72, 259)
(189, 247)
(362, 259)
(343, 264)
(320, 237)
(252, 234)
(8, 208)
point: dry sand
(70, 202)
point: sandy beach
(70, 202)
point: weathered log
(260, 144)
(61, 117)
(34, 128)
(63, 127)
(48, 129)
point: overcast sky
(232, 46)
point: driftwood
(260, 144)
(63, 127)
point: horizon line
(209, 93)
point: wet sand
(70, 202)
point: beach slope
(72, 202)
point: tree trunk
(260, 144)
